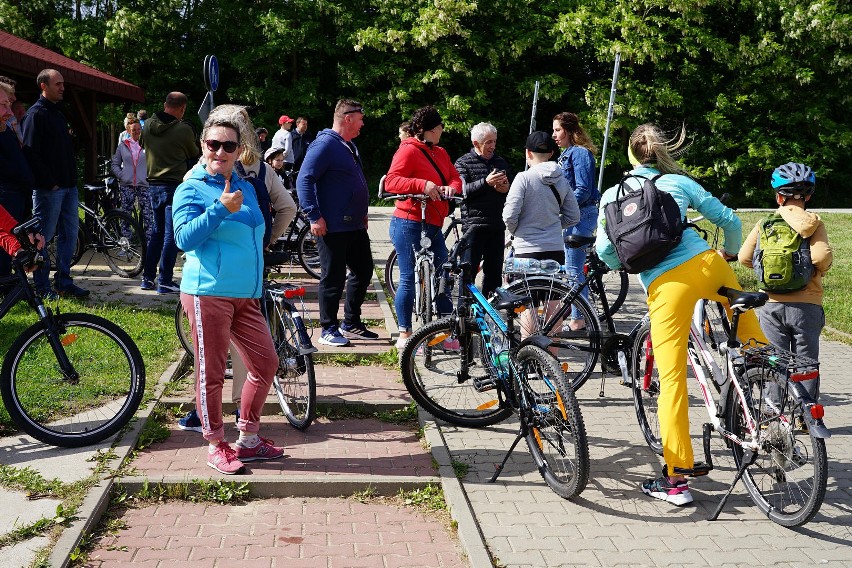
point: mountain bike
(116, 234)
(295, 382)
(577, 350)
(495, 373)
(299, 246)
(69, 379)
(757, 402)
(425, 276)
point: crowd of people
(223, 197)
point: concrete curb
(468, 529)
(97, 500)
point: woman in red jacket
(8, 242)
(420, 166)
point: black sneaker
(168, 288)
(357, 331)
(74, 291)
(676, 493)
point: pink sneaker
(224, 460)
(265, 450)
(451, 344)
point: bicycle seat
(741, 300)
(509, 301)
(576, 241)
(275, 258)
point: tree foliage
(755, 82)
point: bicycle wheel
(715, 329)
(615, 285)
(577, 351)
(306, 245)
(423, 297)
(432, 376)
(73, 412)
(79, 248)
(122, 243)
(788, 477)
(557, 435)
(184, 330)
(646, 389)
(391, 275)
(295, 383)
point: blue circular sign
(212, 73)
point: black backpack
(643, 224)
(263, 199)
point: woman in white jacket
(131, 169)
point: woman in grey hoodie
(130, 167)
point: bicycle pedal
(486, 384)
(698, 469)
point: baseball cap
(284, 119)
(540, 142)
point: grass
(151, 330)
(388, 359)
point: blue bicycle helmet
(793, 180)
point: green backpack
(782, 258)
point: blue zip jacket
(578, 167)
(224, 255)
(331, 184)
(687, 193)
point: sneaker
(168, 288)
(452, 344)
(264, 450)
(190, 422)
(74, 291)
(357, 331)
(147, 285)
(331, 336)
(224, 460)
(400, 343)
(676, 493)
(237, 419)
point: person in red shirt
(420, 166)
(8, 241)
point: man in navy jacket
(333, 193)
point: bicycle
(70, 379)
(425, 275)
(295, 382)
(765, 416)
(578, 350)
(108, 230)
(495, 374)
(299, 245)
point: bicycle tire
(122, 242)
(616, 284)
(306, 247)
(577, 351)
(557, 434)
(184, 330)
(788, 478)
(79, 248)
(646, 395)
(295, 382)
(435, 385)
(715, 329)
(423, 299)
(73, 413)
(391, 274)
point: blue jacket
(48, 146)
(578, 167)
(224, 255)
(688, 193)
(15, 173)
(331, 184)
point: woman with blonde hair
(691, 271)
(577, 162)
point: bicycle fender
(538, 340)
(816, 426)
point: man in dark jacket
(299, 140)
(486, 178)
(171, 148)
(333, 193)
(50, 152)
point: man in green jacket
(171, 147)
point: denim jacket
(578, 166)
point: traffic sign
(211, 72)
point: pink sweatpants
(216, 322)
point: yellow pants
(671, 302)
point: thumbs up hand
(231, 201)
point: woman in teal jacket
(218, 222)
(690, 272)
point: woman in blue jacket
(690, 272)
(218, 222)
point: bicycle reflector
(817, 411)
(804, 376)
(294, 292)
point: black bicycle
(70, 379)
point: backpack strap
(556, 195)
(434, 165)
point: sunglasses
(359, 109)
(229, 145)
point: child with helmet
(794, 320)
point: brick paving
(286, 532)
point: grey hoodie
(532, 213)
